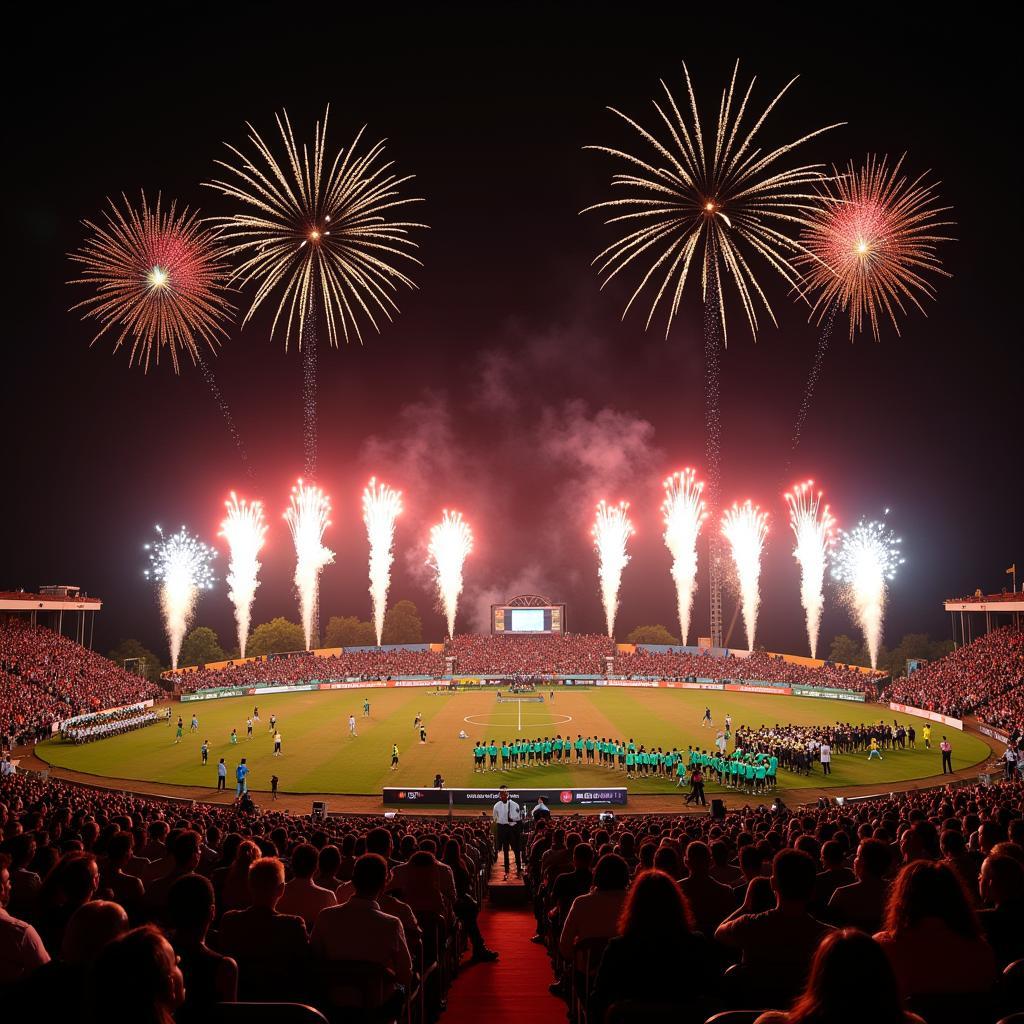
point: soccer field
(319, 756)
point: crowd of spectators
(983, 677)
(45, 678)
(130, 903)
(301, 668)
(759, 666)
(558, 654)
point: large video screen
(525, 620)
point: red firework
(871, 244)
(158, 276)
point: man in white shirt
(21, 949)
(826, 758)
(359, 930)
(508, 816)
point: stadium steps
(500, 893)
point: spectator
(271, 949)
(777, 945)
(655, 939)
(595, 914)
(21, 949)
(843, 956)
(710, 901)
(932, 937)
(861, 904)
(136, 980)
(359, 930)
(210, 978)
(302, 896)
(1002, 891)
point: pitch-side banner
(907, 709)
(555, 797)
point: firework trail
(718, 206)
(245, 530)
(159, 279)
(869, 245)
(611, 532)
(812, 525)
(683, 513)
(317, 230)
(381, 507)
(307, 518)
(181, 564)
(868, 558)
(745, 527)
(451, 540)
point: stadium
(521, 638)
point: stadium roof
(22, 601)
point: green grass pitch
(319, 756)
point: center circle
(513, 718)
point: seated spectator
(25, 883)
(92, 927)
(426, 884)
(302, 895)
(466, 908)
(136, 980)
(360, 931)
(932, 936)
(862, 903)
(1002, 891)
(841, 957)
(21, 949)
(777, 945)
(115, 882)
(210, 978)
(595, 915)
(721, 869)
(72, 881)
(271, 949)
(234, 894)
(328, 868)
(185, 850)
(834, 874)
(655, 941)
(710, 901)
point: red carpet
(493, 992)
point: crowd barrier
(215, 693)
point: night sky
(509, 387)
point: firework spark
(308, 516)
(611, 532)
(382, 505)
(684, 513)
(181, 564)
(745, 527)
(867, 559)
(451, 540)
(714, 205)
(318, 229)
(159, 279)
(871, 243)
(245, 530)
(812, 525)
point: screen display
(524, 620)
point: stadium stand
(45, 678)
(984, 677)
(145, 909)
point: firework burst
(159, 281)
(451, 540)
(382, 505)
(683, 513)
(181, 564)
(710, 204)
(871, 244)
(745, 527)
(308, 516)
(317, 230)
(245, 530)
(812, 524)
(611, 532)
(866, 561)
